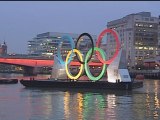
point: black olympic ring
(88, 35)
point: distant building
(152, 63)
(139, 35)
(3, 49)
(46, 44)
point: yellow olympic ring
(66, 65)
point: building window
(145, 48)
(146, 25)
(140, 25)
(129, 38)
(146, 19)
(151, 19)
(151, 48)
(140, 48)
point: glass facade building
(46, 44)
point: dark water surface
(20, 103)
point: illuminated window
(145, 48)
(151, 48)
(136, 43)
(140, 48)
(140, 25)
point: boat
(8, 81)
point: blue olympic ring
(69, 38)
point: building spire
(4, 42)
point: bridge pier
(30, 71)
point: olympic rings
(69, 38)
(88, 35)
(87, 67)
(113, 32)
(66, 65)
(99, 51)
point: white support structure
(117, 71)
(58, 70)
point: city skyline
(21, 21)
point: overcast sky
(21, 21)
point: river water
(20, 103)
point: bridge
(30, 65)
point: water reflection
(89, 105)
(152, 99)
(44, 104)
(19, 103)
(73, 106)
(66, 105)
(47, 104)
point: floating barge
(82, 84)
(117, 72)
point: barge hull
(81, 84)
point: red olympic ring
(114, 33)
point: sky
(21, 21)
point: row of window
(144, 25)
(145, 48)
(145, 34)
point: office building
(46, 44)
(139, 35)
